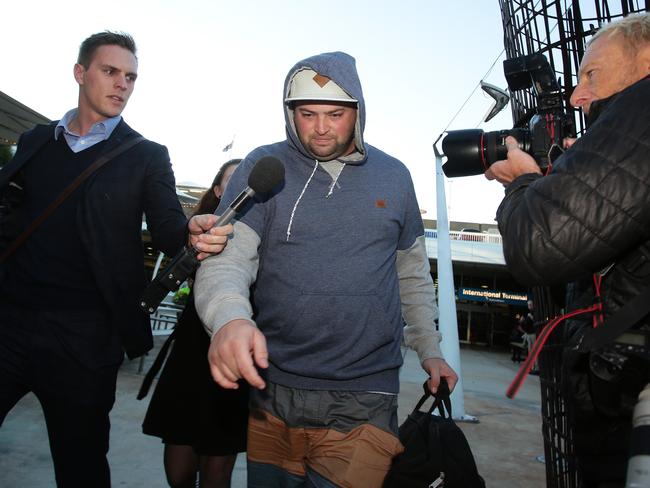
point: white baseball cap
(306, 84)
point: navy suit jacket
(109, 221)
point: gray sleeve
(418, 297)
(223, 281)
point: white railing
(454, 235)
(473, 247)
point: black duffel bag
(436, 453)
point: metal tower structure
(560, 29)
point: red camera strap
(596, 309)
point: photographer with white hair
(587, 223)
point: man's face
(106, 85)
(608, 67)
(326, 129)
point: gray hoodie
(337, 259)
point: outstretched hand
(235, 351)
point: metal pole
(447, 321)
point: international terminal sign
(487, 295)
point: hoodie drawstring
(299, 198)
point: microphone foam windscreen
(267, 172)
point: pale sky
(213, 70)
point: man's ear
(79, 71)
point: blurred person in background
(202, 425)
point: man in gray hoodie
(337, 263)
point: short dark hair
(106, 38)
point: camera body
(540, 133)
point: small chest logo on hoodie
(380, 203)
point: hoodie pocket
(335, 336)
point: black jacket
(592, 210)
(109, 220)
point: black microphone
(267, 172)
(265, 175)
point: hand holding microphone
(267, 173)
(205, 237)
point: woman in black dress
(202, 425)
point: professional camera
(540, 133)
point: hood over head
(325, 77)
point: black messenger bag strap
(98, 163)
(617, 324)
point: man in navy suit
(69, 295)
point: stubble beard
(326, 154)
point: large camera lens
(472, 151)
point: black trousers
(69, 359)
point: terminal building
(487, 296)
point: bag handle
(441, 399)
(99, 162)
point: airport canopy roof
(16, 118)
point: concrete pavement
(506, 442)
